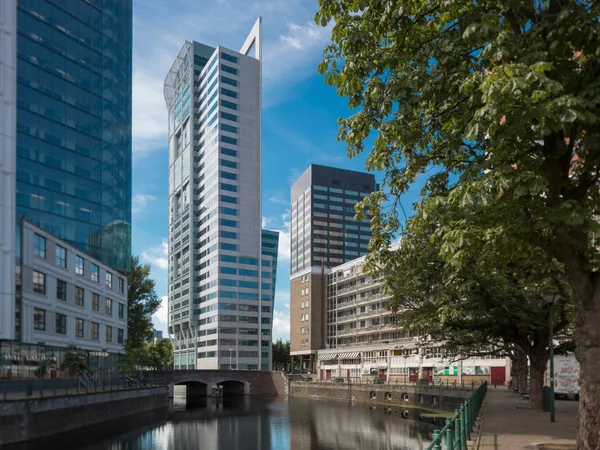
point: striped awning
(350, 355)
(327, 356)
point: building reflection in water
(241, 423)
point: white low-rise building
(63, 298)
(364, 341)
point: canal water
(248, 423)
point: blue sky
(299, 114)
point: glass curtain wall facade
(74, 75)
(8, 110)
(221, 276)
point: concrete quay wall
(24, 420)
(431, 397)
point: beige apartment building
(363, 341)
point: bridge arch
(193, 388)
(234, 387)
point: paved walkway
(509, 425)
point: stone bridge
(230, 382)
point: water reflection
(243, 423)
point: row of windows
(304, 317)
(39, 250)
(39, 324)
(304, 330)
(39, 287)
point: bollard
(449, 435)
(437, 440)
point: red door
(498, 375)
(328, 375)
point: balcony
(361, 301)
(363, 315)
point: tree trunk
(538, 368)
(587, 343)
(523, 372)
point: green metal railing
(457, 430)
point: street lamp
(550, 299)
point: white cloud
(158, 255)
(161, 317)
(287, 305)
(265, 222)
(139, 202)
(278, 201)
(281, 325)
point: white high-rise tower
(221, 276)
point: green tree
(142, 303)
(501, 99)
(74, 362)
(281, 354)
(471, 309)
(161, 354)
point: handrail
(457, 430)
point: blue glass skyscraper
(74, 76)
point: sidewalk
(507, 426)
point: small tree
(161, 354)
(142, 303)
(74, 362)
(281, 354)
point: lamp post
(230, 350)
(550, 299)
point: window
(108, 333)
(229, 140)
(61, 256)
(120, 334)
(228, 116)
(229, 199)
(229, 175)
(96, 302)
(229, 93)
(229, 105)
(39, 319)
(229, 128)
(61, 324)
(39, 282)
(109, 280)
(61, 290)
(79, 293)
(228, 152)
(228, 187)
(229, 69)
(229, 81)
(78, 265)
(229, 58)
(108, 307)
(121, 311)
(95, 331)
(95, 273)
(79, 327)
(39, 246)
(121, 285)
